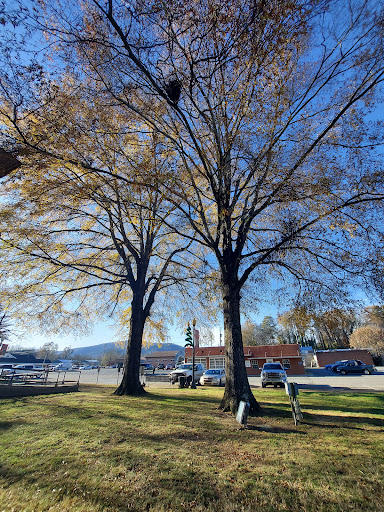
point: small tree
(370, 337)
(248, 332)
(110, 357)
(263, 334)
(66, 353)
(374, 315)
(48, 351)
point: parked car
(30, 367)
(273, 373)
(186, 370)
(331, 367)
(355, 366)
(213, 377)
(4, 366)
(169, 367)
(62, 367)
(160, 366)
(6, 369)
(86, 367)
(148, 367)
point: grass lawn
(172, 450)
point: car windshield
(185, 367)
(212, 372)
(272, 366)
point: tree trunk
(130, 384)
(237, 387)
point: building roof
(22, 358)
(260, 351)
(164, 353)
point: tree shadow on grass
(115, 493)
(6, 425)
(362, 410)
(275, 430)
(343, 421)
(316, 416)
(183, 398)
(275, 412)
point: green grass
(172, 450)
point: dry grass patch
(172, 450)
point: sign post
(292, 390)
(242, 414)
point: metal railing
(38, 378)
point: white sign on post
(242, 413)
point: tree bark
(237, 386)
(130, 383)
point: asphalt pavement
(315, 378)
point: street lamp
(193, 383)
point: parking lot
(315, 378)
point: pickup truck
(355, 366)
(273, 373)
(185, 370)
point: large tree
(82, 237)
(265, 104)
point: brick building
(165, 357)
(288, 355)
(323, 357)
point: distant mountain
(96, 351)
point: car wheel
(263, 384)
(343, 372)
(367, 372)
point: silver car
(213, 377)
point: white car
(30, 367)
(213, 377)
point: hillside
(96, 351)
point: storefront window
(217, 362)
(201, 360)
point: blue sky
(102, 333)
